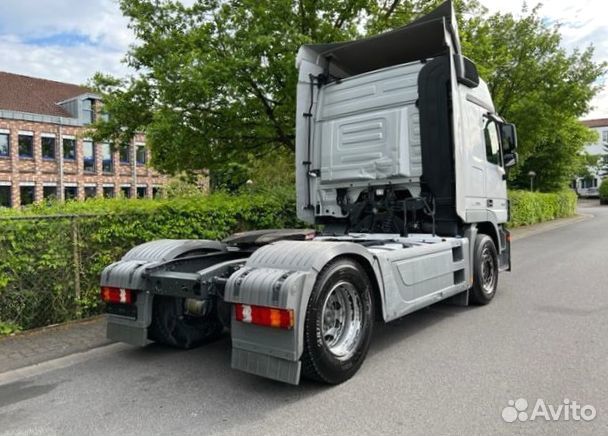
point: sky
(69, 40)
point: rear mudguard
(129, 273)
(282, 275)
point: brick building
(44, 151)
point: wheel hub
(488, 270)
(341, 320)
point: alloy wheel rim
(488, 270)
(342, 320)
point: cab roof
(421, 39)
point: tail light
(265, 316)
(117, 295)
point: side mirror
(508, 135)
(510, 159)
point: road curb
(535, 229)
(16, 374)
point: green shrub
(534, 207)
(604, 191)
(7, 328)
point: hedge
(534, 207)
(51, 255)
(604, 192)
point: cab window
(492, 142)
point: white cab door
(495, 180)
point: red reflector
(266, 316)
(116, 295)
(310, 235)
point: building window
(605, 137)
(88, 156)
(88, 111)
(48, 147)
(70, 192)
(90, 192)
(156, 192)
(589, 183)
(141, 192)
(140, 157)
(107, 162)
(5, 196)
(108, 191)
(26, 146)
(124, 154)
(126, 191)
(5, 142)
(69, 149)
(27, 194)
(49, 192)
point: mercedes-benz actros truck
(401, 164)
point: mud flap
(504, 258)
(260, 350)
(130, 334)
(267, 366)
(461, 299)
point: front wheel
(485, 270)
(338, 325)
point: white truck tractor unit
(400, 160)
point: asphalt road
(444, 370)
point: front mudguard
(281, 275)
(130, 273)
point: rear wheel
(170, 326)
(338, 325)
(485, 270)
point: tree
(589, 165)
(539, 87)
(215, 83)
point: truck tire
(171, 327)
(338, 324)
(485, 270)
